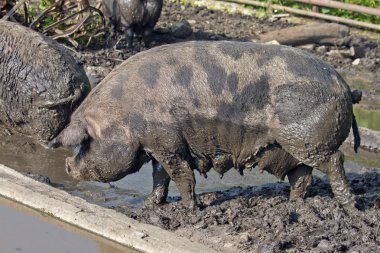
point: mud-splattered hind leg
(300, 178)
(161, 182)
(335, 171)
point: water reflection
(25, 230)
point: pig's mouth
(83, 173)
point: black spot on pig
(232, 82)
(172, 61)
(295, 101)
(184, 75)
(216, 77)
(254, 95)
(229, 112)
(196, 102)
(299, 64)
(150, 105)
(113, 133)
(261, 89)
(150, 73)
(216, 74)
(231, 50)
(117, 91)
(136, 121)
(264, 57)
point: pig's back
(242, 83)
(227, 80)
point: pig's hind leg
(332, 166)
(279, 162)
(334, 169)
(300, 179)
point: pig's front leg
(161, 182)
(181, 173)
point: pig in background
(137, 16)
(40, 83)
(202, 105)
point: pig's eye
(77, 150)
(81, 149)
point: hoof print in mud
(40, 83)
(221, 105)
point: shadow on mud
(366, 188)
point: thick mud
(262, 219)
(250, 216)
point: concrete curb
(99, 220)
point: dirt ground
(262, 219)
(259, 218)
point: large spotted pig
(40, 83)
(202, 105)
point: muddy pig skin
(40, 83)
(197, 105)
(137, 16)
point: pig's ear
(93, 128)
(74, 134)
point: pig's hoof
(158, 196)
(152, 202)
(350, 203)
(191, 205)
(297, 194)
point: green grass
(368, 118)
(337, 12)
(362, 160)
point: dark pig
(202, 105)
(40, 83)
(137, 16)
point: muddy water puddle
(26, 230)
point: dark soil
(258, 218)
(262, 219)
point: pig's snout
(70, 169)
(67, 165)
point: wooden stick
(308, 13)
(344, 6)
(325, 33)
